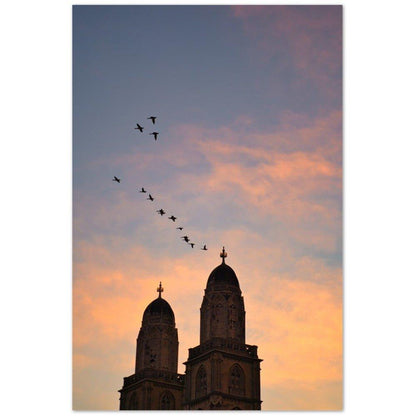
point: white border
(379, 205)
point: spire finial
(223, 254)
(160, 289)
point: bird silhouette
(173, 218)
(155, 133)
(179, 228)
(150, 198)
(186, 238)
(192, 244)
(152, 118)
(204, 248)
(143, 191)
(116, 179)
(139, 127)
(161, 212)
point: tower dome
(159, 311)
(223, 274)
(157, 342)
(222, 309)
(159, 308)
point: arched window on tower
(167, 401)
(201, 382)
(236, 381)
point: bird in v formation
(140, 128)
(150, 198)
(163, 212)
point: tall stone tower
(223, 372)
(155, 385)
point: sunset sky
(248, 102)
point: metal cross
(223, 254)
(160, 289)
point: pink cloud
(291, 174)
(289, 180)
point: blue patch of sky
(185, 64)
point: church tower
(223, 372)
(155, 385)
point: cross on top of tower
(160, 289)
(223, 255)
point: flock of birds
(161, 211)
(139, 127)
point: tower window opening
(237, 380)
(201, 382)
(167, 401)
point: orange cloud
(297, 325)
(276, 179)
(287, 182)
(305, 342)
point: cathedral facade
(222, 372)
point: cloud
(305, 321)
(273, 199)
(305, 38)
(293, 395)
(269, 178)
(297, 324)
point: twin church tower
(222, 372)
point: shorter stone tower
(156, 384)
(223, 372)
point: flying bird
(116, 179)
(139, 127)
(152, 118)
(186, 238)
(204, 248)
(155, 133)
(143, 191)
(192, 244)
(173, 218)
(179, 228)
(150, 198)
(161, 212)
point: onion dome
(159, 310)
(223, 274)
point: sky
(248, 102)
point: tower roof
(159, 308)
(223, 274)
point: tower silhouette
(222, 372)
(155, 383)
